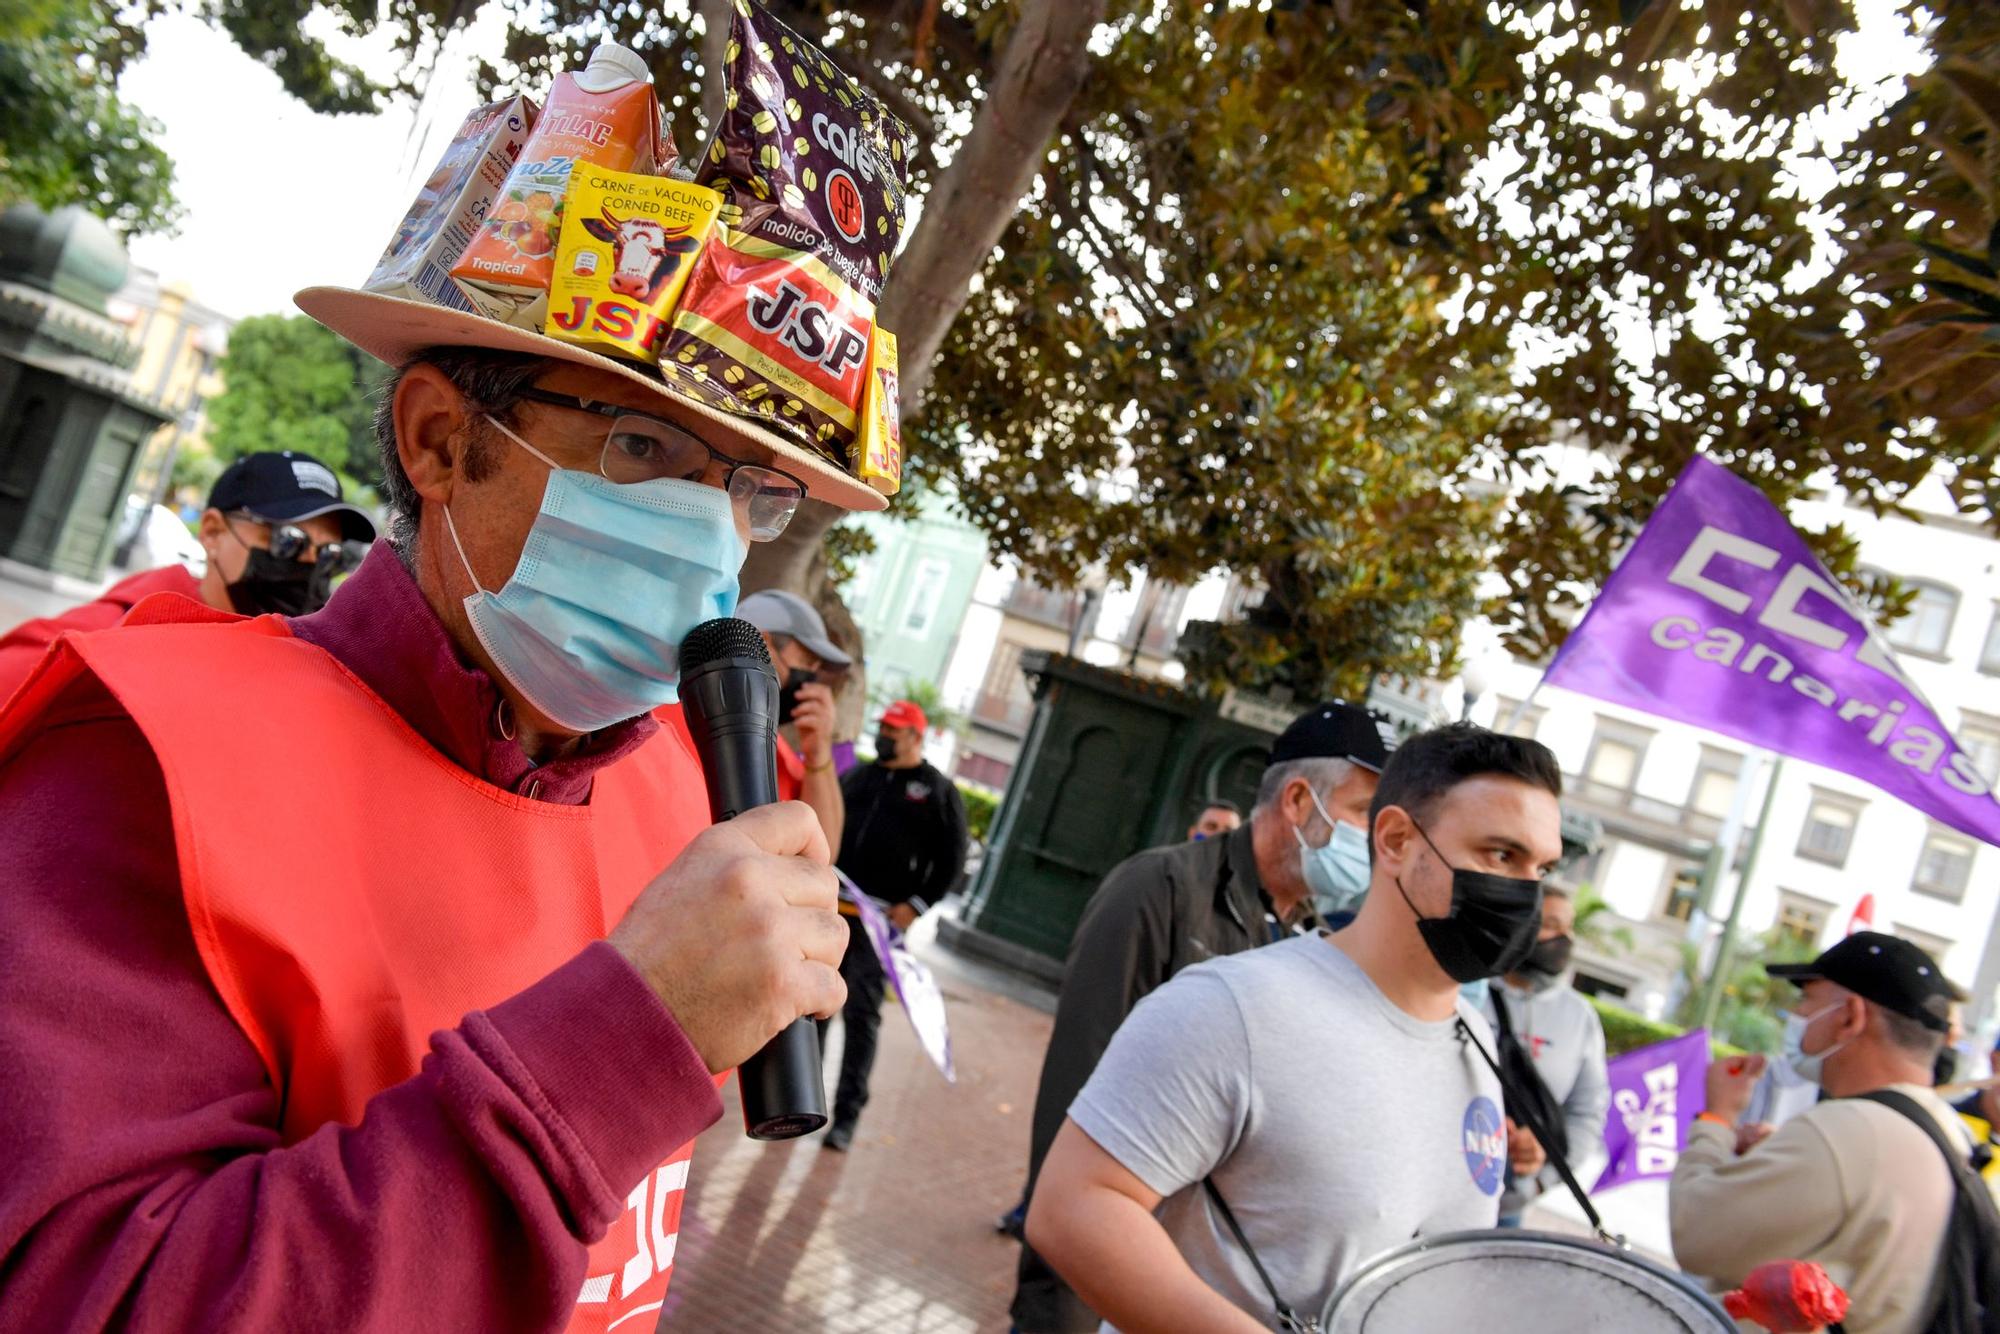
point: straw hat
(395, 329)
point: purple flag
(1656, 1093)
(922, 1000)
(1720, 616)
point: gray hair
(491, 382)
(1911, 1037)
(1322, 773)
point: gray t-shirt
(1335, 1125)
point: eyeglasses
(642, 448)
(291, 542)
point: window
(1927, 626)
(1829, 827)
(1612, 766)
(1979, 736)
(1944, 866)
(1989, 656)
(1801, 918)
(1714, 783)
(1526, 725)
(1683, 889)
(926, 591)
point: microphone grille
(723, 637)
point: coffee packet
(778, 316)
(606, 115)
(628, 244)
(454, 201)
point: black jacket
(1157, 912)
(904, 839)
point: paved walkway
(897, 1234)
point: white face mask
(1807, 1067)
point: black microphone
(729, 697)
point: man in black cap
(277, 531)
(1852, 1184)
(1166, 908)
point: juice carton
(452, 204)
(628, 244)
(878, 450)
(607, 116)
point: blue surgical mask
(613, 576)
(1336, 872)
(1806, 1067)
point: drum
(1511, 1282)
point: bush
(980, 805)
(1625, 1030)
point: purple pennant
(909, 978)
(1656, 1093)
(1720, 615)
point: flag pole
(1725, 950)
(1523, 706)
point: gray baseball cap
(776, 612)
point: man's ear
(212, 531)
(1393, 836)
(430, 416)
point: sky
(278, 197)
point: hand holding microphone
(740, 935)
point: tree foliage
(291, 383)
(65, 135)
(1321, 292)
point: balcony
(1055, 608)
(1661, 824)
(1006, 713)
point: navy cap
(1335, 730)
(1892, 972)
(284, 487)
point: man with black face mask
(1550, 1034)
(1317, 1101)
(905, 845)
(806, 658)
(277, 530)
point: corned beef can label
(778, 317)
(628, 245)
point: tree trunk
(969, 207)
(714, 43)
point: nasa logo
(1485, 1144)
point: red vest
(343, 931)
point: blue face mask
(613, 576)
(1336, 872)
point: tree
(1751, 1015)
(65, 136)
(291, 383)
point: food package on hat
(628, 244)
(779, 313)
(607, 115)
(878, 449)
(452, 203)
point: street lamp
(1473, 683)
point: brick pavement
(895, 1235)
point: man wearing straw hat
(370, 969)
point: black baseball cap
(1335, 730)
(1892, 972)
(284, 487)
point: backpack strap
(1550, 1145)
(1973, 1206)
(1288, 1319)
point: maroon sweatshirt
(143, 1183)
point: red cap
(904, 713)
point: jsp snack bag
(452, 204)
(607, 115)
(628, 245)
(779, 314)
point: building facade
(1837, 852)
(181, 343)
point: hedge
(980, 805)
(1626, 1030)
